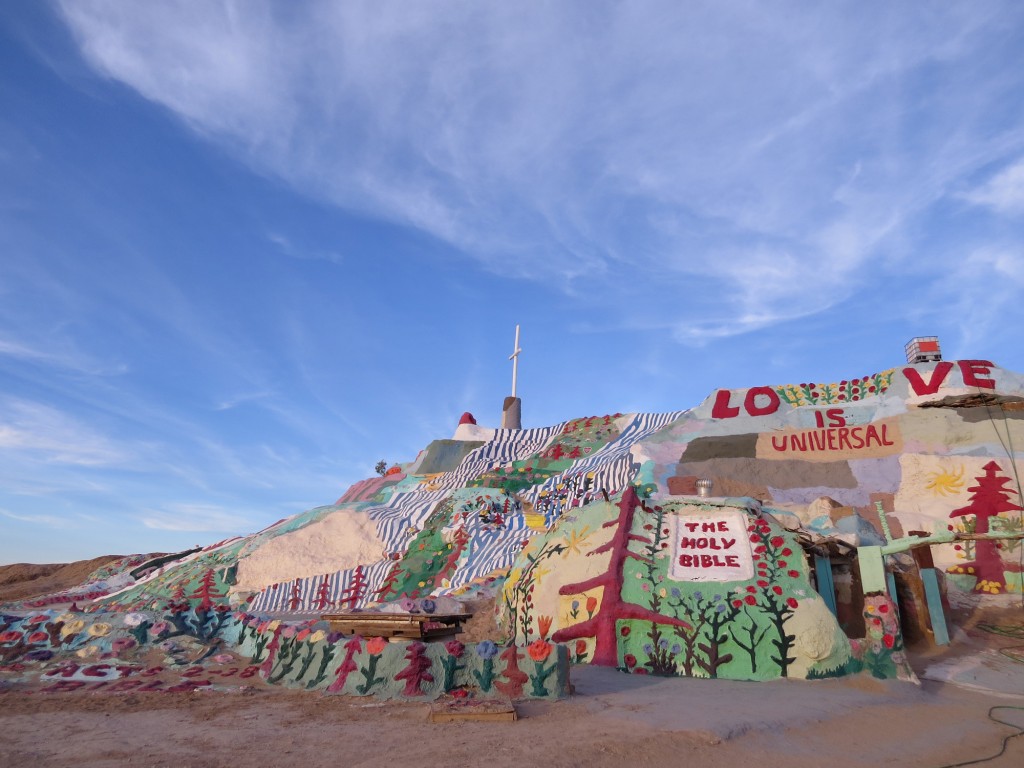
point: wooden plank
(472, 710)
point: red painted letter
(763, 410)
(938, 376)
(722, 409)
(971, 369)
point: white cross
(514, 357)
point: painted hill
(789, 465)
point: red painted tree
(514, 677)
(988, 498)
(207, 590)
(613, 607)
(296, 599)
(389, 582)
(323, 594)
(354, 592)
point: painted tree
(207, 590)
(602, 627)
(296, 597)
(355, 591)
(323, 594)
(989, 498)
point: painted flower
(100, 629)
(792, 574)
(539, 650)
(31, 621)
(376, 645)
(486, 649)
(72, 627)
(544, 625)
(288, 631)
(786, 552)
(889, 640)
(427, 605)
(777, 589)
(750, 600)
(624, 630)
(11, 636)
(630, 660)
(591, 604)
(737, 603)
(39, 654)
(317, 635)
(581, 647)
(159, 628)
(454, 648)
(121, 644)
(38, 637)
(134, 619)
(777, 541)
(883, 608)
(223, 658)
(791, 602)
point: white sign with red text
(711, 548)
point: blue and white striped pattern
(277, 598)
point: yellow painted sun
(946, 482)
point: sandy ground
(613, 720)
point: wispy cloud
(1004, 192)
(50, 521)
(197, 517)
(729, 149)
(53, 436)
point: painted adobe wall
(684, 586)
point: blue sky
(248, 249)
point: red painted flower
(376, 645)
(755, 538)
(591, 604)
(777, 589)
(10, 637)
(750, 600)
(751, 590)
(782, 563)
(539, 650)
(762, 583)
(883, 608)
(624, 631)
(737, 603)
(454, 648)
(581, 647)
(630, 660)
(786, 552)
(792, 574)
(777, 541)
(889, 640)
(791, 602)
(38, 637)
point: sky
(249, 249)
